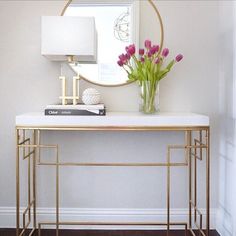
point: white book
(77, 107)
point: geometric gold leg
(34, 180)
(208, 182)
(168, 191)
(17, 184)
(189, 141)
(198, 145)
(28, 153)
(57, 193)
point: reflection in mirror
(117, 24)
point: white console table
(196, 146)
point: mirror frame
(151, 2)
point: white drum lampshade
(63, 36)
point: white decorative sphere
(91, 96)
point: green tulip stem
(148, 94)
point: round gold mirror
(119, 23)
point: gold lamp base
(75, 97)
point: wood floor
(11, 232)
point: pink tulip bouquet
(148, 69)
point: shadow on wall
(227, 138)
(226, 177)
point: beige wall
(29, 82)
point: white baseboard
(8, 219)
(224, 222)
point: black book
(74, 112)
(77, 106)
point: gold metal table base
(197, 149)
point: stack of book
(75, 110)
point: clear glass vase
(149, 97)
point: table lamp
(72, 39)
